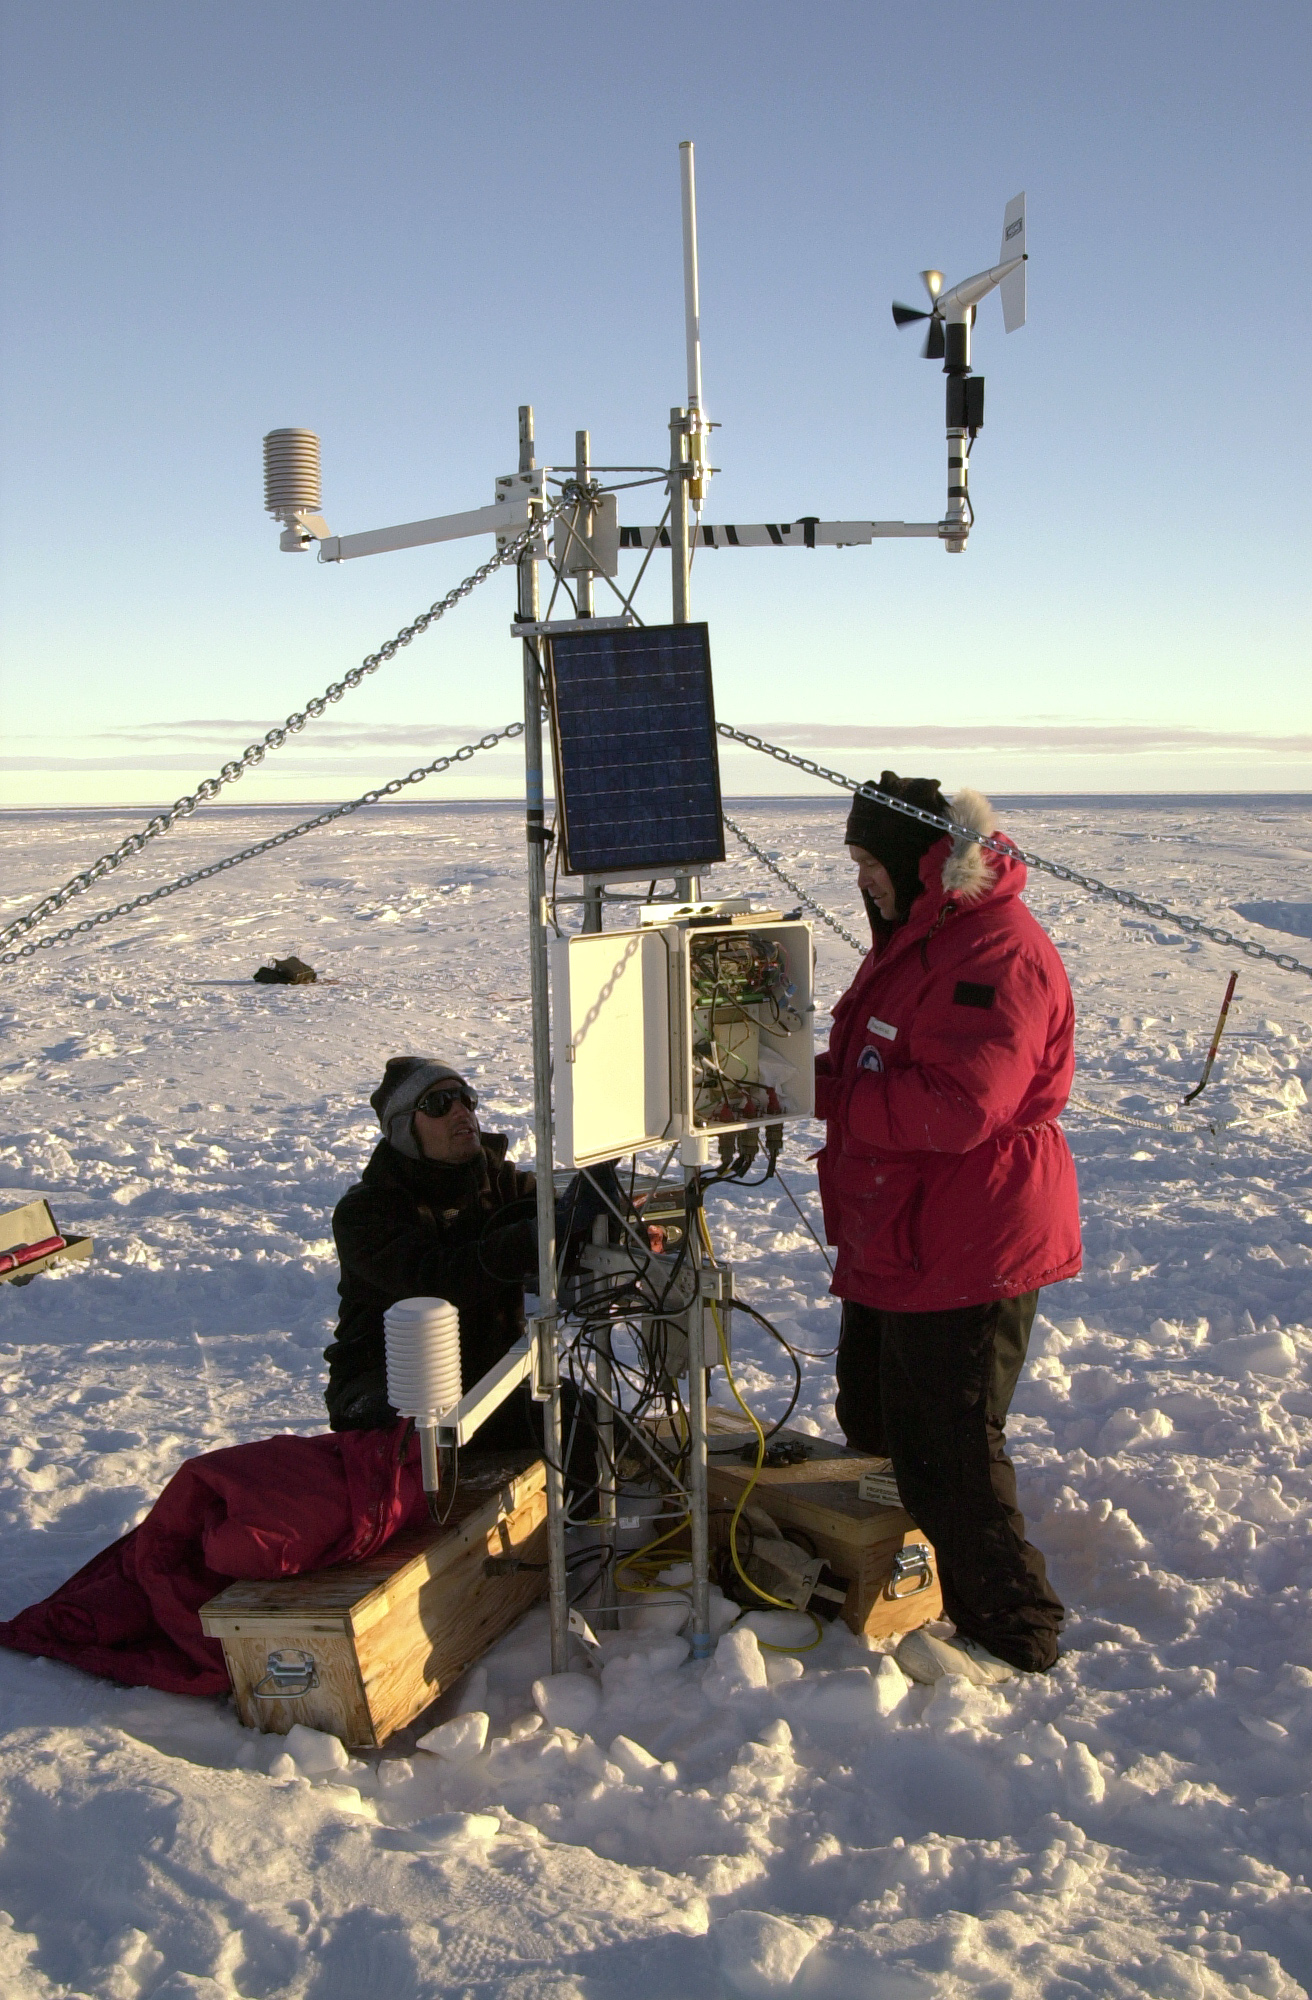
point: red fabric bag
(253, 1511)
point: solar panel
(633, 729)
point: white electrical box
(615, 1083)
(681, 1029)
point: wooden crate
(34, 1222)
(859, 1539)
(387, 1635)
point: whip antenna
(698, 427)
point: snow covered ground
(1137, 1822)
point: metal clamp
(291, 1671)
(913, 1564)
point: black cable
(740, 1305)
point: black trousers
(931, 1391)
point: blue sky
(395, 224)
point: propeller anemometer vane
(951, 315)
(956, 307)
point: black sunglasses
(436, 1103)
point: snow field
(1136, 1822)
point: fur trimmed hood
(970, 870)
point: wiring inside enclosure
(742, 1012)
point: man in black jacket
(439, 1212)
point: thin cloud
(1120, 739)
(304, 766)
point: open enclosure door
(611, 1043)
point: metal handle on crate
(914, 1565)
(291, 1671)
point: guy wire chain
(1191, 926)
(809, 902)
(255, 753)
(439, 764)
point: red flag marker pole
(1216, 1040)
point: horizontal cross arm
(806, 533)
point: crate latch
(288, 1672)
(913, 1570)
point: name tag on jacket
(885, 1028)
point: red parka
(945, 1178)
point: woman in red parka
(949, 1193)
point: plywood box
(21, 1229)
(889, 1564)
(362, 1649)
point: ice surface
(737, 1669)
(758, 1955)
(459, 1740)
(567, 1701)
(1136, 1822)
(314, 1753)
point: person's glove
(585, 1199)
(510, 1253)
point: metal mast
(687, 481)
(544, 1327)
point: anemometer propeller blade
(959, 304)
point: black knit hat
(894, 838)
(405, 1080)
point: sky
(395, 224)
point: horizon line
(730, 798)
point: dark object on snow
(781, 1452)
(286, 972)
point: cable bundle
(628, 1329)
(740, 991)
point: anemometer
(693, 1027)
(947, 339)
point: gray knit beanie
(405, 1080)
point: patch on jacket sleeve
(967, 994)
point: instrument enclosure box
(624, 1032)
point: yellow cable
(643, 1555)
(780, 1603)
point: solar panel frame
(635, 748)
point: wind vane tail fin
(1012, 288)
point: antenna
(691, 302)
(698, 429)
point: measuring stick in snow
(1216, 1040)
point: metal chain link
(255, 753)
(439, 764)
(1191, 926)
(1202, 1125)
(808, 902)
